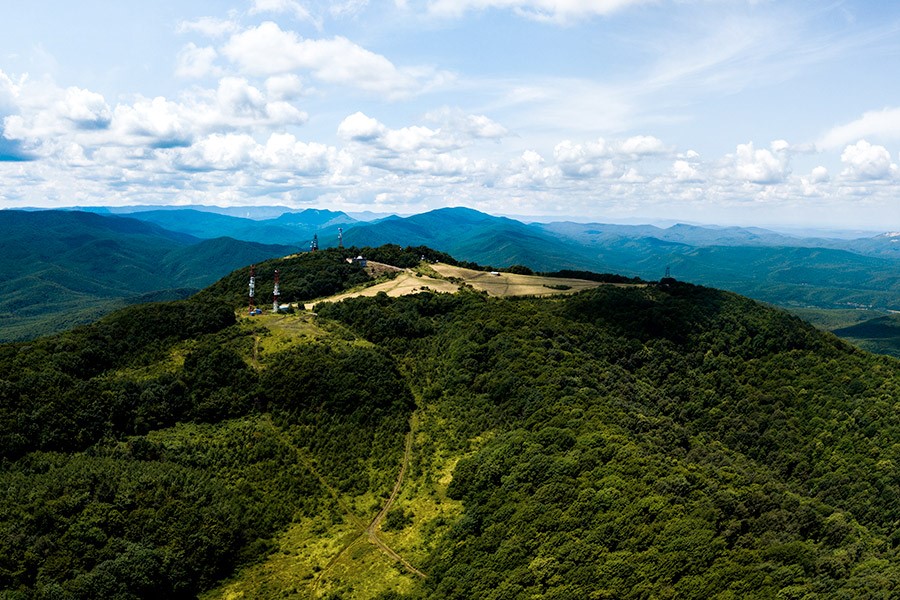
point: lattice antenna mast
(668, 272)
(340, 237)
(314, 244)
(275, 293)
(252, 288)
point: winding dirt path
(368, 532)
(375, 525)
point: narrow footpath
(367, 532)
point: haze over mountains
(769, 266)
(61, 268)
(165, 248)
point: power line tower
(667, 280)
(275, 294)
(252, 288)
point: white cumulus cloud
(284, 87)
(682, 170)
(415, 138)
(361, 128)
(530, 171)
(283, 151)
(811, 184)
(819, 175)
(761, 165)
(269, 50)
(159, 120)
(867, 162)
(468, 125)
(195, 62)
(86, 109)
(580, 160)
(9, 91)
(218, 152)
(642, 145)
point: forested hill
(59, 269)
(630, 441)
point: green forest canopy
(625, 442)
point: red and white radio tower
(275, 294)
(252, 287)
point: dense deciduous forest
(631, 441)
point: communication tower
(340, 237)
(314, 244)
(252, 288)
(275, 293)
(667, 280)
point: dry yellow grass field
(449, 279)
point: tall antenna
(340, 237)
(314, 244)
(275, 294)
(252, 287)
(668, 272)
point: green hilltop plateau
(631, 440)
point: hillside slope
(62, 268)
(881, 335)
(624, 442)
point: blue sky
(748, 112)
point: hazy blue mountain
(294, 228)
(60, 268)
(244, 212)
(598, 233)
(473, 236)
(766, 265)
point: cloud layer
(283, 102)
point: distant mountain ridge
(786, 270)
(291, 228)
(766, 265)
(60, 268)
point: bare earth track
(369, 532)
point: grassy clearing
(423, 498)
(272, 333)
(445, 278)
(332, 556)
(172, 364)
(302, 552)
(403, 284)
(511, 284)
